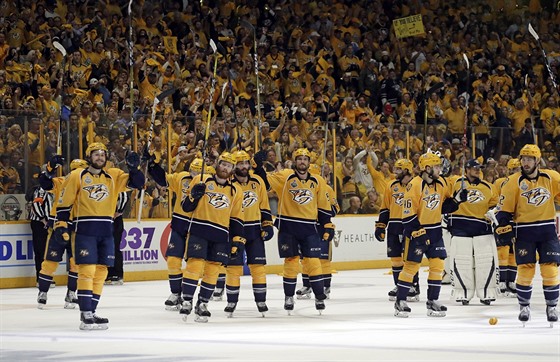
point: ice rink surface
(357, 325)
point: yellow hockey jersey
(530, 204)
(178, 184)
(469, 219)
(256, 207)
(92, 199)
(219, 213)
(392, 207)
(301, 202)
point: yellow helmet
(314, 169)
(95, 146)
(301, 152)
(530, 150)
(196, 165)
(78, 163)
(428, 159)
(513, 163)
(210, 170)
(241, 156)
(405, 164)
(227, 157)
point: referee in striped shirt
(41, 204)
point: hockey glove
(461, 196)
(132, 160)
(328, 233)
(420, 239)
(54, 163)
(198, 191)
(259, 158)
(380, 231)
(61, 231)
(237, 245)
(267, 231)
(149, 158)
(504, 235)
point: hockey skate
(402, 310)
(186, 309)
(463, 301)
(525, 314)
(487, 301)
(503, 289)
(435, 309)
(328, 292)
(90, 322)
(41, 300)
(304, 293)
(289, 304)
(262, 307)
(115, 280)
(229, 309)
(320, 305)
(71, 300)
(413, 295)
(393, 294)
(512, 290)
(551, 314)
(218, 294)
(173, 303)
(201, 312)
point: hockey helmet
(513, 163)
(530, 150)
(428, 159)
(95, 146)
(227, 157)
(78, 163)
(196, 165)
(301, 152)
(241, 156)
(405, 164)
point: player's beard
(223, 174)
(400, 176)
(241, 172)
(432, 176)
(530, 172)
(97, 166)
(301, 168)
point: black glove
(380, 231)
(198, 191)
(328, 233)
(237, 245)
(259, 158)
(267, 231)
(420, 239)
(60, 231)
(147, 157)
(54, 163)
(504, 235)
(461, 196)
(132, 160)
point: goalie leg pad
(447, 241)
(486, 271)
(463, 274)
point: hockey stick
(62, 51)
(530, 100)
(331, 93)
(536, 36)
(131, 61)
(159, 98)
(212, 91)
(436, 87)
(250, 27)
(464, 141)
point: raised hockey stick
(530, 100)
(536, 36)
(131, 61)
(159, 98)
(62, 51)
(436, 87)
(464, 140)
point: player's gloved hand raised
(328, 233)
(237, 245)
(504, 235)
(148, 157)
(380, 231)
(60, 231)
(198, 191)
(461, 195)
(267, 230)
(259, 158)
(55, 162)
(132, 160)
(420, 238)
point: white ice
(357, 325)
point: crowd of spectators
(332, 77)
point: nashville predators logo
(537, 196)
(475, 196)
(97, 192)
(84, 252)
(53, 253)
(522, 252)
(432, 201)
(399, 197)
(284, 247)
(218, 201)
(418, 251)
(249, 199)
(301, 196)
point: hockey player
(506, 256)
(55, 248)
(257, 228)
(526, 212)
(89, 199)
(302, 202)
(473, 250)
(213, 206)
(390, 223)
(426, 198)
